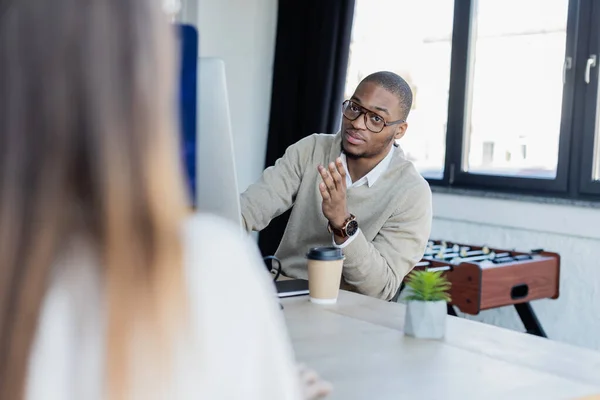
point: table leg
(529, 319)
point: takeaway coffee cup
(324, 274)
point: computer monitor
(217, 187)
(206, 137)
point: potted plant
(426, 304)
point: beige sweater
(394, 216)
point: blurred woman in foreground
(105, 291)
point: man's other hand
(333, 192)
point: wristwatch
(349, 227)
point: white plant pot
(425, 319)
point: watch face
(351, 228)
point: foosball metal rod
(484, 257)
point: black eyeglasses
(373, 121)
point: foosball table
(483, 278)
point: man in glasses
(354, 189)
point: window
(516, 86)
(590, 126)
(403, 36)
(506, 91)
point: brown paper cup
(324, 274)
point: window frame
(589, 103)
(578, 111)
(463, 40)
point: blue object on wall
(188, 98)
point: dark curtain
(309, 75)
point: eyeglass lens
(373, 121)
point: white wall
(571, 231)
(189, 11)
(242, 33)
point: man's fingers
(324, 192)
(341, 169)
(327, 179)
(336, 176)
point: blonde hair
(88, 145)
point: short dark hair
(394, 84)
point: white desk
(358, 345)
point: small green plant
(428, 286)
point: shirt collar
(373, 175)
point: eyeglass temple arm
(395, 122)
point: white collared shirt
(372, 176)
(368, 179)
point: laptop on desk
(292, 287)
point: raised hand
(333, 192)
